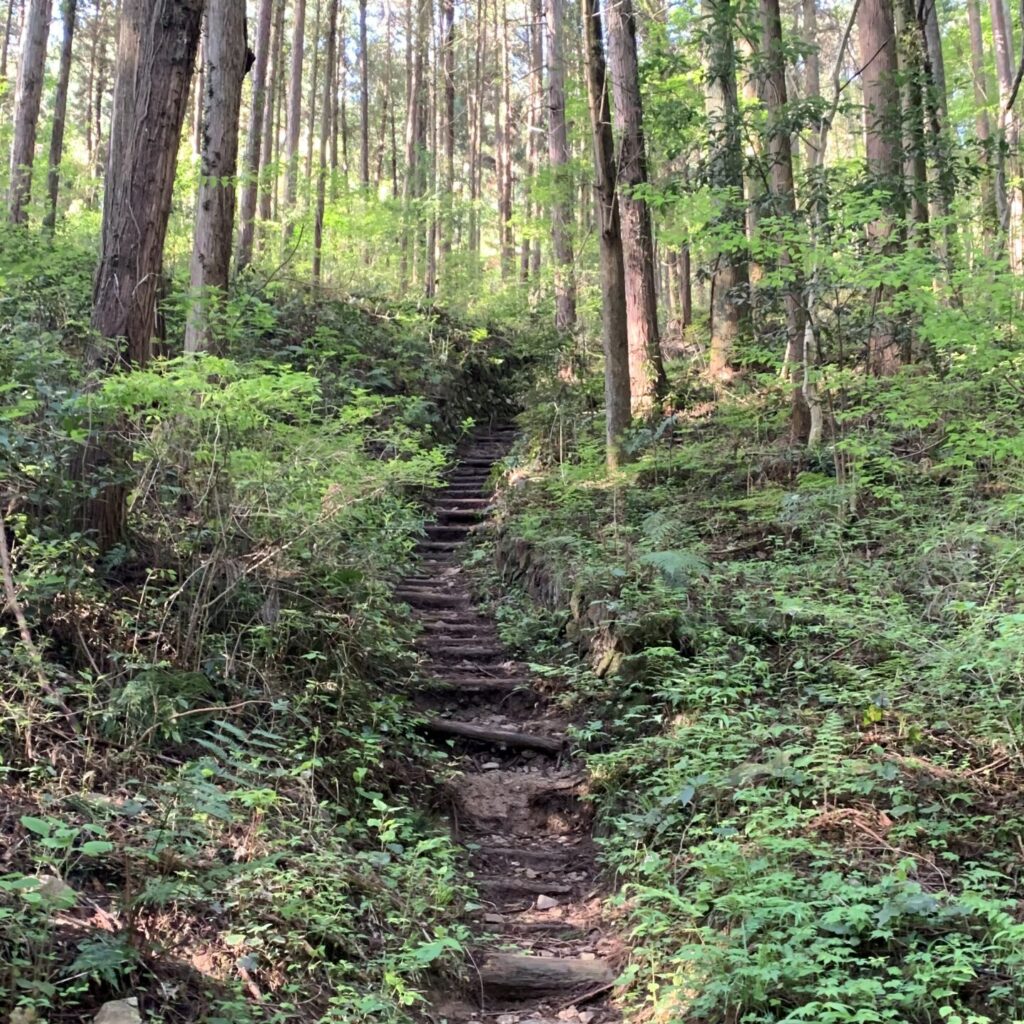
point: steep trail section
(517, 807)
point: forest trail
(542, 955)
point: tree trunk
(877, 33)
(990, 204)
(311, 134)
(225, 55)
(325, 129)
(60, 108)
(812, 78)
(537, 122)
(1008, 134)
(294, 129)
(27, 100)
(647, 374)
(155, 58)
(503, 141)
(102, 70)
(254, 138)
(558, 159)
(364, 100)
(614, 324)
(448, 128)
(729, 284)
(915, 164)
(783, 197)
(685, 287)
(269, 129)
(5, 43)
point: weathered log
(496, 737)
(464, 651)
(512, 975)
(431, 598)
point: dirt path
(542, 955)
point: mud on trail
(542, 954)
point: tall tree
(558, 159)
(879, 76)
(325, 135)
(155, 56)
(990, 202)
(729, 283)
(224, 53)
(5, 43)
(647, 374)
(614, 325)
(275, 90)
(447, 126)
(254, 138)
(503, 140)
(60, 109)
(364, 100)
(294, 127)
(27, 99)
(812, 75)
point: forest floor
(516, 797)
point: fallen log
(512, 975)
(495, 737)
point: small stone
(494, 919)
(587, 1016)
(508, 1018)
(490, 766)
(546, 902)
(569, 1013)
(120, 1011)
(588, 956)
(530, 873)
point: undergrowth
(798, 680)
(213, 796)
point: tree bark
(614, 324)
(812, 77)
(5, 43)
(269, 144)
(990, 204)
(60, 108)
(647, 374)
(537, 122)
(325, 130)
(729, 283)
(1008, 135)
(156, 54)
(225, 56)
(503, 141)
(254, 138)
(915, 164)
(294, 128)
(448, 128)
(558, 160)
(27, 99)
(876, 29)
(364, 100)
(311, 133)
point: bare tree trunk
(5, 43)
(269, 143)
(254, 139)
(364, 100)
(558, 160)
(311, 134)
(94, 38)
(60, 108)
(476, 135)
(325, 128)
(614, 324)
(27, 100)
(990, 203)
(413, 154)
(685, 287)
(537, 122)
(156, 54)
(448, 128)
(812, 76)
(294, 113)
(225, 54)
(503, 141)
(198, 92)
(877, 33)
(729, 284)
(1008, 135)
(102, 69)
(915, 164)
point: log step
(516, 976)
(456, 531)
(476, 684)
(436, 546)
(465, 652)
(435, 599)
(459, 515)
(494, 737)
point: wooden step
(431, 599)
(441, 531)
(476, 684)
(462, 651)
(516, 976)
(459, 515)
(494, 737)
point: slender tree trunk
(268, 146)
(102, 69)
(1008, 135)
(476, 136)
(448, 129)
(60, 107)
(155, 58)
(537, 122)
(5, 43)
(27, 100)
(915, 164)
(729, 285)
(198, 92)
(94, 38)
(812, 77)
(990, 204)
(294, 128)
(614, 323)
(558, 159)
(311, 133)
(254, 138)
(325, 129)
(685, 287)
(877, 33)
(364, 100)
(226, 65)
(503, 141)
